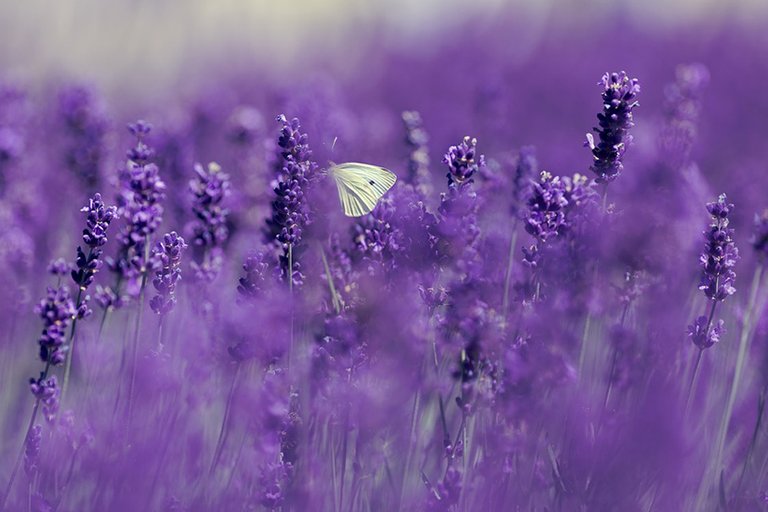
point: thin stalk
(696, 366)
(746, 334)
(508, 275)
(17, 464)
(753, 441)
(224, 423)
(71, 351)
(290, 291)
(343, 460)
(135, 346)
(335, 300)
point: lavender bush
(520, 325)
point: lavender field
(559, 306)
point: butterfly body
(360, 186)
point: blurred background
(158, 45)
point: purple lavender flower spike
(290, 213)
(759, 238)
(57, 311)
(545, 215)
(32, 450)
(619, 100)
(98, 218)
(717, 274)
(682, 108)
(720, 253)
(417, 140)
(166, 259)
(252, 283)
(59, 267)
(140, 205)
(462, 164)
(84, 117)
(375, 236)
(525, 172)
(703, 334)
(47, 391)
(209, 189)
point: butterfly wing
(361, 186)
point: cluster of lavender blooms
(501, 342)
(290, 212)
(166, 258)
(717, 275)
(139, 202)
(209, 188)
(615, 121)
(83, 116)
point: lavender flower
(376, 238)
(759, 238)
(209, 188)
(545, 214)
(166, 259)
(619, 93)
(141, 195)
(251, 284)
(47, 391)
(682, 107)
(525, 170)
(717, 276)
(290, 213)
(244, 125)
(98, 218)
(703, 334)
(32, 450)
(59, 267)
(57, 311)
(458, 208)
(417, 140)
(720, 253)
(84, 117)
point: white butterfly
(361, 186)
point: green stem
(508, 275)
(692, 385)
(135, 346)
(31, 423)
(224, 423)
(746, 333)
(71, 352)
(335, 300)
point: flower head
(760, 236)
(167, 261)
(290, 213)
(85, 120)
(57, 310)
(720, 253)
(545, 213)
(619, 100)
(209, 188)
(140, 205)
(418, 159)
(98, 218)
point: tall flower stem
(697, 364)
(17, 463)
(746, 334)
(224, 423)
(508, 274)
(71, 352)
(135, 344)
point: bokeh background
(211, 76)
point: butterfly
(361, 186)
